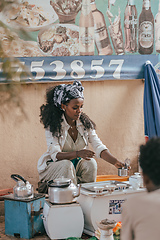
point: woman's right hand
(86, 154)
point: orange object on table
(111, 177)
(117, 228)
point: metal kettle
(23, 189)
(63, 190)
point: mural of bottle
(157, 30)
(86, 29)
(101, 34)
(130, 27)
(146, 29)
(115, 30)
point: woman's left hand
(119, 164)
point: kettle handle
(16, 177)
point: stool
(23, 217)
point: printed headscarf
(66, 92)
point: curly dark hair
(149, 159)
(51, 116)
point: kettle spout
(77, 192)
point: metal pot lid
(59, 182)
(20, 184)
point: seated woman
(68, 133)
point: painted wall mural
(83, 39)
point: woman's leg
(86, 171)
(63, 168)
